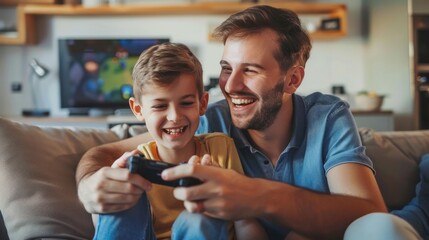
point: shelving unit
(27, 14)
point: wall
(387, 58)
(347, 61)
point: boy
(169, 97)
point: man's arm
(229, 195)
(103, 189)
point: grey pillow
(396, 157)
(38, 196)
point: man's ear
(204, 101)
(294, 78)
(136, 108)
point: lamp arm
(33, 91)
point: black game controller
(151, 170)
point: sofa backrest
(38, 197)
(396, 157)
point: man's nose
(234, 82)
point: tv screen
(96, 73)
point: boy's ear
(204, 101)
(136, 108)
(294, 78)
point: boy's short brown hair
(162, 64)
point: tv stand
(78, 112)
(91, 112)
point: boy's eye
(159, 106)
(188, 103)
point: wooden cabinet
(377, 120)
(420, 80)
(27, 14)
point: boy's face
(172, 112)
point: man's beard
(271, 104)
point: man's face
(251, 80)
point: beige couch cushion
(396, 157)
(37, 168)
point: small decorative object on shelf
(93, 3)
(368, 101)
(154, 2)
(72, 2)
(331, 24)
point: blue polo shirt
(324, 136)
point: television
(96, 74)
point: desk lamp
(39, 71)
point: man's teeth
(174, 130)
(241, 101)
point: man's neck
(273, 140)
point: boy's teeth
(241, 101)
(174, 130)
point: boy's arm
(103, 189)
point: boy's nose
(173, 114)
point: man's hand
(112, 189)
(204, 160)
(221, 195)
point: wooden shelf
(26, 33)
(17, 2)
(26, 14)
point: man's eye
(249, 70)
(226, 70)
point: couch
(38, 197)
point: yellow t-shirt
(166, 208)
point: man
(307, 172)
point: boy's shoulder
(215, 136)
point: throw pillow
(37, 177)
(416, 212)
(396, 161)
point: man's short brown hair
(294, 43)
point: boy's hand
(205, 160)
(121, 162)
(113, 189)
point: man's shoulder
(219, 106)
(216, 119)
(326, 102)
(322, 99)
